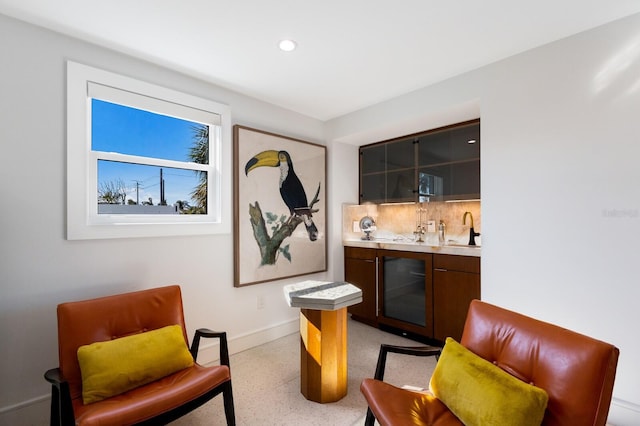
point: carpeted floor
(266, 383)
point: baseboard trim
(623, 413)
(24, 404)
(34, 411)
(210, 353)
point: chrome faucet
(472, 233)
(420, 228)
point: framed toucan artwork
(280, 206)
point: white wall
(39, 268)
(561, 211)
(343, 189)
(560, 198)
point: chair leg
(54, 419)
(369, 420)
(229, 411)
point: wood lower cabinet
(456, 282)
(424, 294)
(360, 270)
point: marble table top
(322, 295)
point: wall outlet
(431, 226)
(260, 302)
(356, 226)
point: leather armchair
(576, 371)
(159, 402)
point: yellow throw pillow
(116, 366)
(480, 393)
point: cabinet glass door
(404, 289)
(387, 172)
(373, 164)
(450, 155)
(400, 171)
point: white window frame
(83, 220)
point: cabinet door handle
(440, 269)
(377, 295)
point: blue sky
(116, 128)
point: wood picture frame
(279, 206)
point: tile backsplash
(398, 221)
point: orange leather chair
(159, 402)
(576, 371)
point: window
(144, 160)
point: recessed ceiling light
(287, 45)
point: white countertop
(405, 245)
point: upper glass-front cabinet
(438, 165)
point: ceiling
(351, 53)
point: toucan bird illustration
(291, 188)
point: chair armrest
(53, 376)
(206, 333)
(404, 350)
(61, 406)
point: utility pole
(163, 202)
(137, 192)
